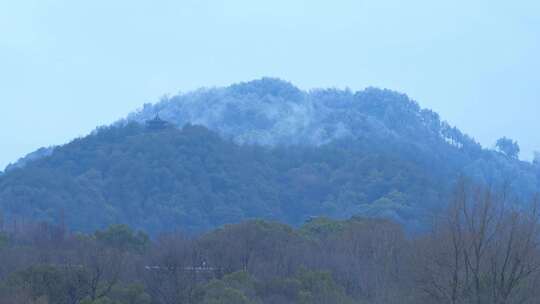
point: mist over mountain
(261, 149)
(272, 111)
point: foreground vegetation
(480, 251)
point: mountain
(194, 180)
(261, 149)
(272, 112)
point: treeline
(481, 250)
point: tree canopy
(508, 146)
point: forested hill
(274, 112)
(262, 149)
(192, 179)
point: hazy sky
(68, 66)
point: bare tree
(485, 250)
(173, 270)
(101, 265)
(365, 258)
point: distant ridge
(259, 149)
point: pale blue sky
(67, 66)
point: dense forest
(262, 149)
(193, 180)
(480, 250)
